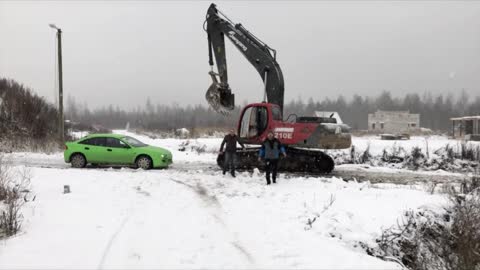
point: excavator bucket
(219, 97)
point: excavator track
(297, 160)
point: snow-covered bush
(13, 187)
(464, 151)
(365, 157)
(470, 152)
(182, 133)
(396, 154)
(437, 239)
(461, 157)
(416, 158)
(4, 179)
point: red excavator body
(257, 119)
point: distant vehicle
(115, 149)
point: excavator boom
(260, 55)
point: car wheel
(78, 161)
(144, 162)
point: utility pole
(60, 83)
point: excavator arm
(260, 55)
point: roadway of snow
(185, 217)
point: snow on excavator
(303, 136)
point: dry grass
(14, 185)
(428, 240)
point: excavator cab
(254, 122)
(306, 132)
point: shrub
(469, 151)
(396, 155)
(352, 154)
(428, 240)
(416, 158)
(12, 187)
(365, 157)
(25, 118)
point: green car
(116, 150)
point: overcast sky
(123, 52)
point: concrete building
(467, 127)
(393, 122)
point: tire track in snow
(210, 200)
(114, 236)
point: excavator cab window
(254, 122)
(262, 120)
(276, 113)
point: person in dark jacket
(230, 154)
(270, 152)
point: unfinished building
(467, 128)
(394, 122)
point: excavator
(303, 136)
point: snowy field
(191, 216)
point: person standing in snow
(270, 152)
(230, 154)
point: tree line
(24, 114)
(435, 111)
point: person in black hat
(230, 154)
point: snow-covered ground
(191, 216)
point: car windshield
(134, 142)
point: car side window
(113, 142)
(101, 141)
(98, 141)
(90, 141)
(124, 144)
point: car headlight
(162, 155)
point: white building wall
(393, 121)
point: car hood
(156, 149)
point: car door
(118, 151)
(93, 149)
